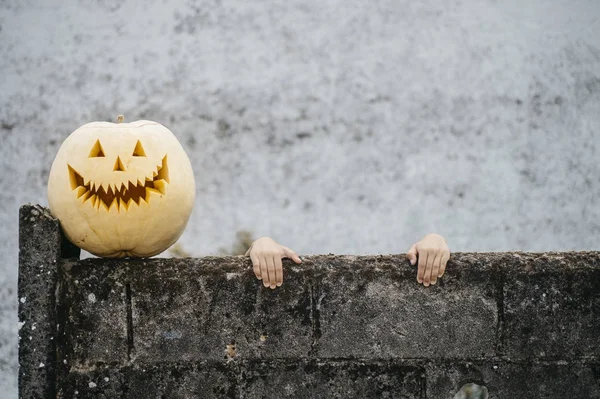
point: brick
(332, 379)
(195, 309)
(509, 380)
(552, 306)
(373, 307)
(93, 311)
(39, 254)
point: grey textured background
(333, 126)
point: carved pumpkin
(124, 189)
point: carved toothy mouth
(122, 195)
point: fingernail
(420, 281)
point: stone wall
(522, 324)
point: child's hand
(433, 254)
(266, 255)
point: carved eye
(139, 150)
(97, 150)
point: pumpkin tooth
(74, 178)
(163, 172)
(151, 192)
(143, 202)
(160, 185)
(105, 186)
(130, 193)
(113, 208)
(93, 200)
(102, 205)
(86, 196)
(113, 204)
(80, 191)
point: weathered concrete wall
(523, 324)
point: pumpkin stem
(120, 118)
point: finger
(291, 254)
(421, 269)
(443, 262)
(427, 275)
(256, 265)
(271, 268)
(435, 267)
(278, 272)
(264, 272)
(412, 254)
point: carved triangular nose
(119, 165)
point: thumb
(412, 254)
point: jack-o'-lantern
(122, 189)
